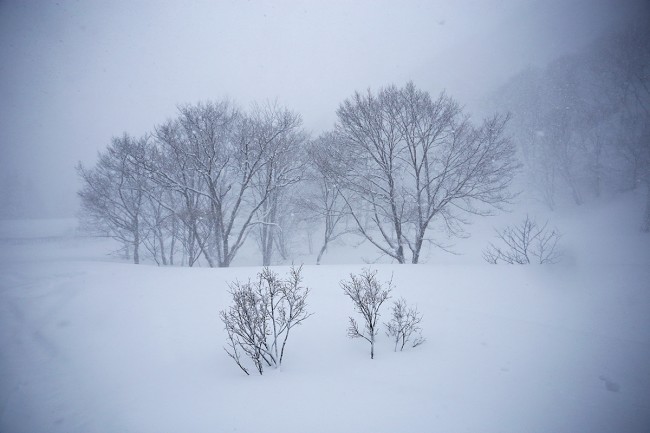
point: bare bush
(404, 325)
(261, 317)
(367, 294)
(525, 243)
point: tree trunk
(267, 231)
(321, 252)
(224, 261)
(416, 253)
(645, 226)
(161, 242)
(399, 255)
(172, 244)
(267, 245)
(136, 249)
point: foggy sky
(75, 73)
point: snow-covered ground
(92, 344)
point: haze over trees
(211, 176)
(582, 124)
(397, 167)
(204, 183)
(323, 199)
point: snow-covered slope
(89, 344)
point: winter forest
(288, 216)
(397, 164)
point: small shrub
(404, 325)
(367, 294)
(261, 317)
(525, 243)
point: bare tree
(161, 225)
(411, 159)
(291, 221)
(112, 195)
(172, 168)
(404, 325)
(262, 316)
(323, 199)
(279, 132)
(367, 294)
(525, 243)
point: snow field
(93, 345)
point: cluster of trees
(583, 122)
(201, 185)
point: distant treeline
(582, 124)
